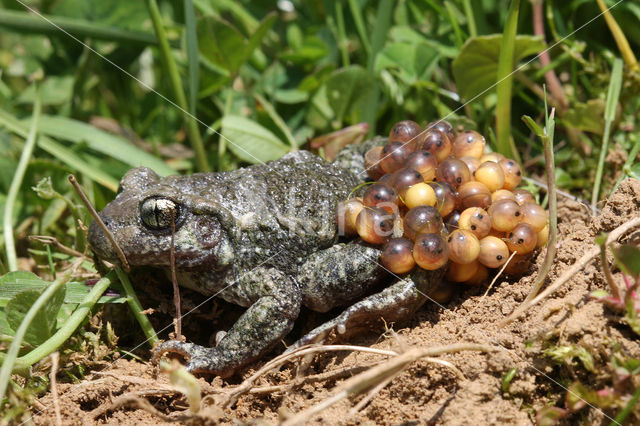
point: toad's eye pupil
(157, 213)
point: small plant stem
(68, 328)
(605, 268)
(96, 217)
(176, 83)
(343, 42)
(550, 76)
(550, 169)
(192, 54)
(16, 182)
(621, 40)
(136, 307)
(10, 359)
(613, 94)
(505, 83)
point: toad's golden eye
(157, 213)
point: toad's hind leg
(339, 275)
(393, 304)
(261, 327)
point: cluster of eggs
(438, 197)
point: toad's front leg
(262, 326)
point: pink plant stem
(550, 76)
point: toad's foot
(395, 303)
(261, 327)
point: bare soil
(425, 393)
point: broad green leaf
(53, 91)
(118, 13)
(220, 43)
(476, 68)
(588, 117)
(259, 34)
(290, 96)
(320, 113)
(101, 141)
(347, 88)
(250, 141)
(406, 34)
(43, 325)
(628, 259)
(634, 171)
(413, 62)
(400, 56)
(312, 50)
(13, 283)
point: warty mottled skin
(263, 237)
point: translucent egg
(397, 255)
(430, 251)
(464, 246)
(493, 252)
(469, 143)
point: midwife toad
(264, 237)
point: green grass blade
(32, 24)
(505, 82)
(101, 141)
(65, 155)
(176, 84)
(613, 94)
(471, 21)
(454, 23)
(12, 259)
(356, 14)
(136, 308)
(192, 54)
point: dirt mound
(426, 392)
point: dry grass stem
(373, 392)
(247, 384)
(96, 217)
(53, 241)
(133, 400)
(55, 357)
(381, 373)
